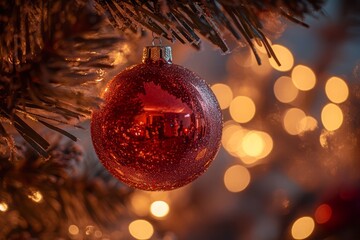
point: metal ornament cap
(157, 53)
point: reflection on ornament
(160, 125)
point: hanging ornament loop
(159, 41)
(157, 52)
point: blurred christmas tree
(55, 56)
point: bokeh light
(303, 77)
(323, 213)
(302, 227)
(284, 90)
(159, 209)
(73, 229)
(3, 207)
(249, 146)
(268, 144)
(253, 144)
(331, 117)
(36, 196)
(308, 123)
(336, 90)
(141, 229)
(284, 56)
(242, 59)
(291, 121)
(236, 178)
(261, 48)
(242, 109)
(98, 234)
(140, 203)
(89, 230)
(231, 137)
(260, 71)
(223, 94)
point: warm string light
(291, 120)
(308, 123)
(242, 109)
(284, 90)
(250, 145)
(244, 60)
(3, 206)
(303, 227)
(223, 94)
(140, 203)
(284, 56)
(141, 229)
(336, 90)
(323, 213)
(73, 229)
(143, 203)
(76, 233)
(253, 144)
(332, 117)
(232, 134)
(303, 78)
(236, 178)
(159, 209)
(261, 48)
(36, 196)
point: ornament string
(158, 38)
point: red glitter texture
(159, 127)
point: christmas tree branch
(54, 52)
(47, 196)
(50, 64)
(185, 20)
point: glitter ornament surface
(159, 127)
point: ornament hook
(158, 38)
(157, 52)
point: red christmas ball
(160, 125)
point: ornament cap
(157, 53)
